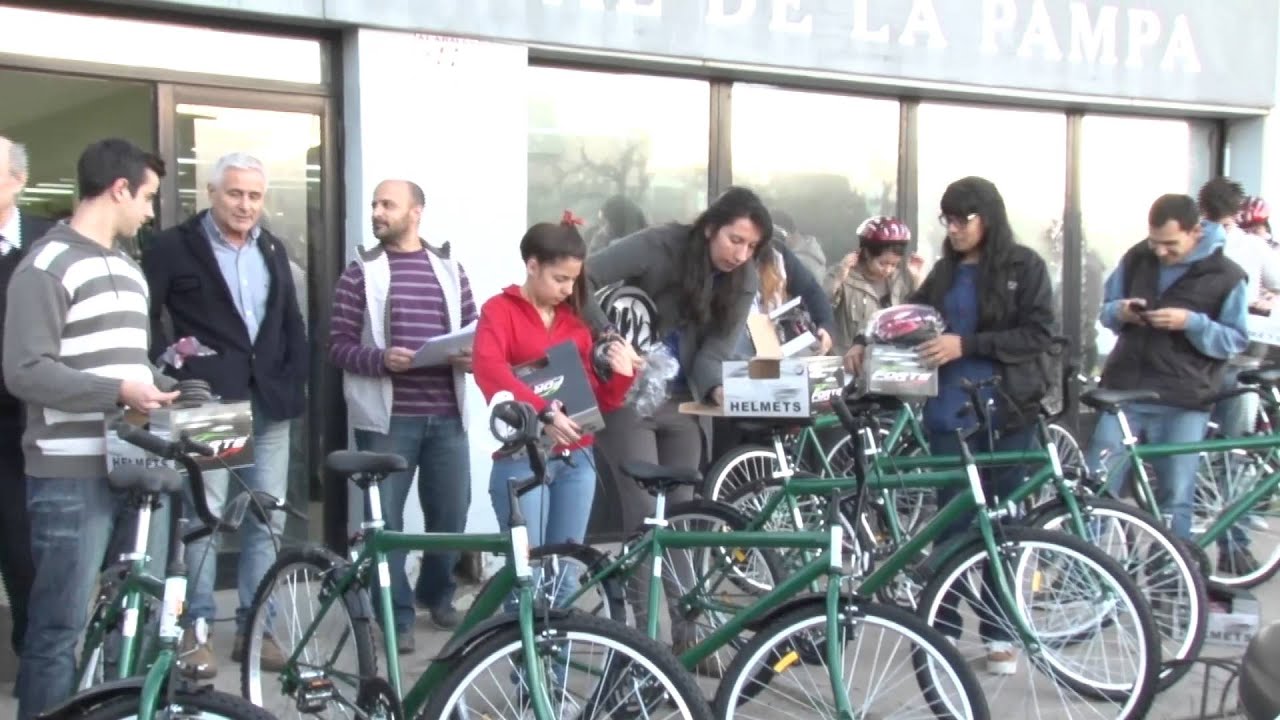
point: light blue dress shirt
(245, 271)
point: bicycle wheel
(784, 671)
(1073, 464)
(1106, 666)
(561, 563)
(595, 668)
(737, 468)
(1249, 552)
(1158, 563)
(202, 704)
(285, 606)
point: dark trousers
(16, 568)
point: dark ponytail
(549, 243)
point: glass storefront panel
(1024, 152)
(827, 161)
(636, 142)
(1125, 164)
(51, 121)
(289, 146)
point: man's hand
(940, 350)
(1168, 318)
(1127, 314)
(461, 361)
(824, 338)
(397, 359)
(143, 396)
(562, 430)
(853, 359)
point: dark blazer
(32, 229)
(185, 282)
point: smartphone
(1137, 306)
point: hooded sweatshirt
(510, 332)
(77, 328)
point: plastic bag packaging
(650, 388)
(176, 355)
(904, 325)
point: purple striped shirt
(417, 312)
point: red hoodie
(510, 332)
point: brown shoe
(272, 658)
(195, 656)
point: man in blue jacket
(224, 279)
(1178, 305)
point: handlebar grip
(195, 446)
(141, 438)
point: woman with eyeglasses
(997, 301)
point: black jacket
(802, 284)
(32, 228)
(1017, 335)
(186, 283)
(1165, 361)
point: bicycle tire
(328, 566)
(613, 604)
(780, 629)
(575, 627)
(715, 483)
(1178, 663)
(1137, 696)
(204, 702)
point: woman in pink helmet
(873, 277)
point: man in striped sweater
(75, 351)
(388, 302)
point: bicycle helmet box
(897, 371)
(561, 376)
(1234, 616)
(226, 427)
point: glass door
(288, 134)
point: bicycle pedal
(315, 691)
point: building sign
(1191, 51)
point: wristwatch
(548, 414)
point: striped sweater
(76, 325)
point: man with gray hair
(18, 231)
(224, 279)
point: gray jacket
(651, 261)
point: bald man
(18, 231)
(394, 297)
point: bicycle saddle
(656, 477)
(152, 480)
(1111, 400)
(1260, 675)
(1266, 377)
(355, 462)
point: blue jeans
(997, 483)
(270, 474)
(72, 522)
(437, 448)
(556, 513)
(1175, 475)
(1236, 417)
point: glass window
(137, 43)
(636, 142)
(1125, 164)
(827, 161)
(56, 117)
(1024, 152)
(289, 145)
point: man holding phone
(1178, 305)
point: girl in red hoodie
(518, 326)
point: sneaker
(272, 658)
(406, 643)
(446, 618)
(196, 660)
(1002, 659)
(1237, 561)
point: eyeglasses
(947, 220)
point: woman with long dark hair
(702, 278)
(517, 327)
(997, 301)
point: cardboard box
(560, 376)
(771, 385)
(227, 427)
(897, 372)
(1233, 617)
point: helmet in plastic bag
(904, 325)
(1253, 212)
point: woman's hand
(824, 338)
(940, 350)
(853, 359)
(562, 430)
(915, 268)
(623, 359)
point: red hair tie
(569, 219)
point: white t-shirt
(1258, 260)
